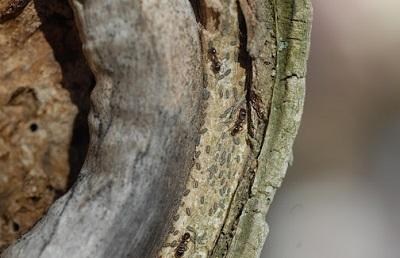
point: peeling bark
(193, 120)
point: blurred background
(340, 197)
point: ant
(239, 122)
(216, 64)
(182, 247)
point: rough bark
(44, 101)
(192, 126)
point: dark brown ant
(182, 247)
(239, 122)
(257, 104)
(212, 51)
(216, 64)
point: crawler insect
(239, 122)
(216, 64)
(182, 247)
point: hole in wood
(51, 96)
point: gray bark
(188, 145)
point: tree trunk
(192, 123)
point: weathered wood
(143, 126)
(192, 128)
(44, 101)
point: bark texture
(144, 127)
(192, 128)
(42, 107)
(254, 56)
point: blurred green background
(341, 196)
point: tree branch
(192, 127)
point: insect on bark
(182, 247)
(239, 122)
(216, 64)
